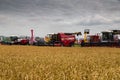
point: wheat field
(59, 63)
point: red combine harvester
(60, 39)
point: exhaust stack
(32, 37)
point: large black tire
(82, 44)
(62, 44)
(119, 43)
(71, 44)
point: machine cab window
(107, 36)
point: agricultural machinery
(60, 39)
(9, 40)
(105, 38)
(14, 40)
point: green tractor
(9, 40)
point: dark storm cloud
(64, 7)
(57, 15)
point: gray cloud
(47, 16)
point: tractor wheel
(82, 44)
(71, 44)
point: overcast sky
(17, 17)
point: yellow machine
(48, 38)
(86, 32)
